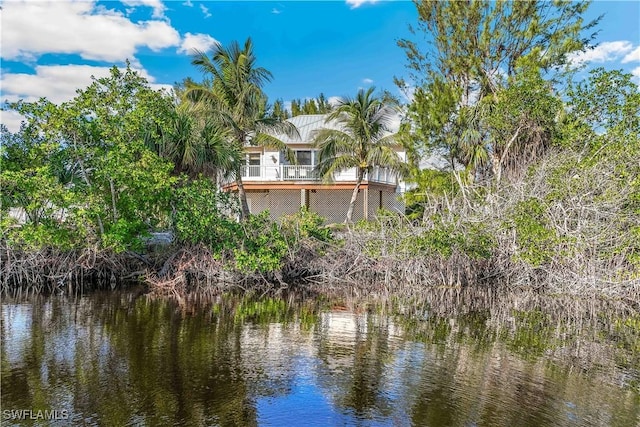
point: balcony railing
(298, 173)
(307, 173)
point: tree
(520, 122)
(234, 99)
(323, 104)
(363, 141)
(296, 108)
(278, 110)
(309, 106)
(604, 108)
(197, 144)
(473, 52)
(97, 145)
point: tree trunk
(354, 196)
(498, 160)
(244, 206)
(83, 172)
(113, 200)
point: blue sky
(51, 48)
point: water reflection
(128, 359)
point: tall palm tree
(234, 98)
(362, 141)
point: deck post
(366, 203)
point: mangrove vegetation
(540, 191)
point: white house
(273, 184)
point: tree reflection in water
(126, 358)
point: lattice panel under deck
(333, 204)
(284, 202)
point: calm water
(128, 359)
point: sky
(51, 48)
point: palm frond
(328, 168)
(364, 136)
(271, 141)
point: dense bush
(204, 214)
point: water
(116, 359)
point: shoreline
(339, 271)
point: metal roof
(307, 124)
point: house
(273, 184)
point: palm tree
(196, 144)
(362, 141)
(234, 99)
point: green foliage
(391, 234)
(431, 185)
(304, 225)
(319, 105)
(603, 109)
(203, 214)
(446, 238)
(45, 234)
(197, 144)
(232, 95)
(87, 164)
(440, 240)
(536, 240)
(263, 247)
(123, 235)
(479, 97)
(521, 120)
(278, 111)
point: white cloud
(31, 29)
(633, 56)
(357, 3)
(604, 52)
(58, 83)
(201, 42)
(276, 11)
(157, 6)
(367, 81)
(636, 75)
(188, 3)
(12, 120)
(205, 11)
(334, 100)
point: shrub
(203, 214)
(263, 247)
(304, 225)
(535, 239)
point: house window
(254, 164)
(304, 158)
(254, 159)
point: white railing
(252, 171)
(298, 173)
(383, 175)
(307, 173)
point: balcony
(297, 173)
